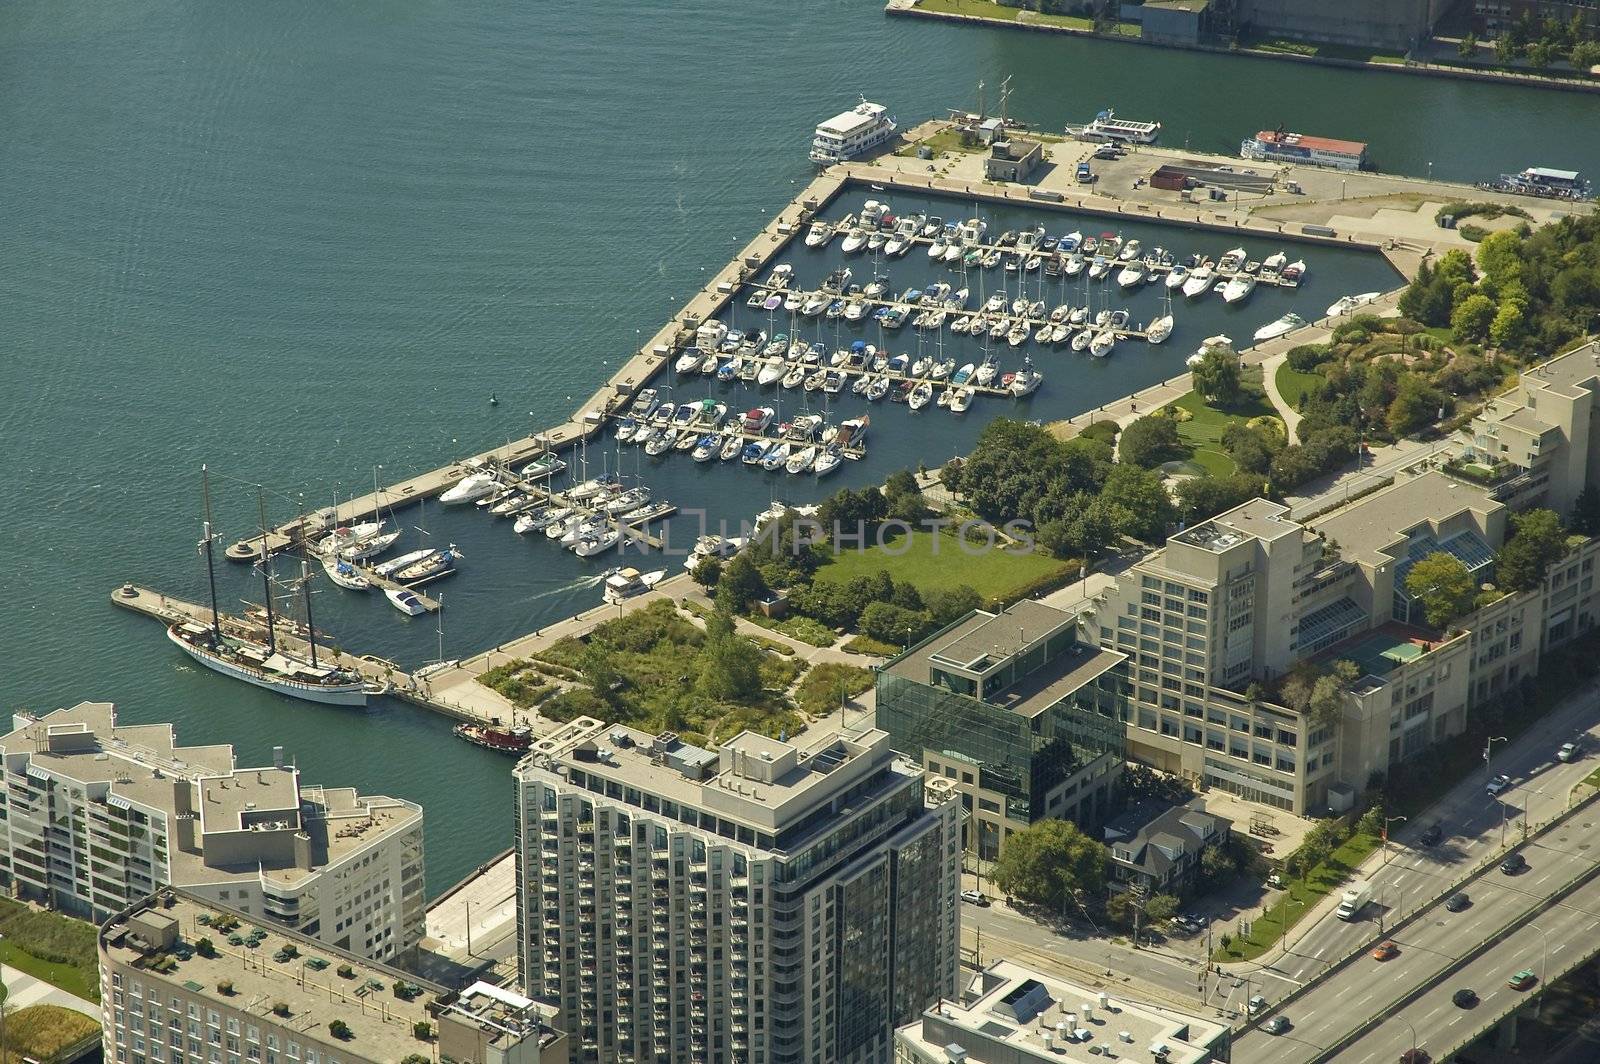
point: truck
(1353, 900)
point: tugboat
(496, 736)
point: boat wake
(580, 584)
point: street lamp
(1544, 967)
(1386, 822)
(1488, 748)
(1413, 1054)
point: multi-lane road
(1430, 945)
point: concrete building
(1214, 621)
(1492, 16)
(1392, 24)
(1010, 1014)
(1536, 446)
(1012, 159)
(94, 815)
(280, 998)
(1022, 719)
(1182, 22)
(768, 902)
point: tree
(1467, 47)
(1539, 54)
(951, 604)
(1327, 693)
(1585, 518)
(888, 623)
(1500, 259)
(1416, 403)
(1049, 861)
(1139, 501)
(1507, 327)
(1207, 496)
(1537, 541)
(904, 498)
(1444, 587)
(1216, 375)
(1150, 441)
(707, 572)
(1471, 318)
(1014, 465)
(1586, 54)
(600, 673)
(1216, 866)
(1251, 449)
(1160, 908)
(730, 665)
(739, 585)
(1506, 48)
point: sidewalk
(23, 990)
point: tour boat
(850, 133)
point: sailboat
(264, 665)
(1161, 327)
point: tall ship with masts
(265, 664)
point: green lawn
(1291, 383)
(805, 629)
(1203, 431)
(865, 644)
(1322, 51)
(933, 562)
(52, 947)
(1286, 907)
(818, 692)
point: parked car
(1513, 864)
(1431, 835)
(1464, 998)
(1522, 980)
(976, 897)
(1569, 752)
(1386, 951)
(1277, 1025)
(1256, 1004)
(1457, 902)
(1498, 784)
(1275, 881)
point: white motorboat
(1131, 275)
(827, 461)
(1231, 261)
(771, 373)
(1293, 274)
(1199, 281)
(920, 395)
(623, 584)
(853, 241)
(1130, 251)
(961, 400)
(470, 488)
(1026, 380)
(1239, 287)
(528, 522)
(406, 601)
(1177, 276)
(1284, 325)
(819, 234)
(776, 457)
(1273, 264)
(1345, 304)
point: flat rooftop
(1380, 651)
(1572, 375)
(986, 639)
(380, 1020)
(1046, 686)
(1256, 519)
(1008, 1010)
(1367, 529)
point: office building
(95, 815)
(1010, 1014)
(768, 902)
(1021, 718)
(186, 981)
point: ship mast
(305, 590)
(266, 578)
(205, 545)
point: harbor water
(303, 241)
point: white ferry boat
(1543, 182)
(1108, 127)
(1274, 145)
(844, 136)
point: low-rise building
(1157, 850)
(94, 815)
(1011, 1014)
(186, 981)
(1022, 718)
(1012, 159)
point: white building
(768, 903)
(1010, 1014)
(95, 815)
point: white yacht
(625, 583)
(1239, 287)
(846, 135)
(469, 488)
(1284, 325)
(1199, 281)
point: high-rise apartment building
(95, 815)
(765, 903)
(184, 981)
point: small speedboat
(1199, 281)
(1284, 325)
(1177, 276)
(1345, 304)
(754, 451)
(705, 449)
(406, 601)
